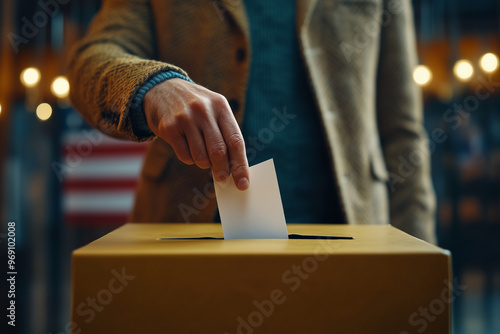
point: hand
(200, 127)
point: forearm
(110, 65)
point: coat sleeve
(400, 121)
(112, 62)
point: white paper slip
(255, 213)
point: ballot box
(184, 278)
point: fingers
(236, 150)
(217, 151)
(197, 148)
(200, 127)
(181, 149)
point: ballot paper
(255, 213)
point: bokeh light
(60, 87)
(422, 75)
(489, 62)
(44, 111)
(463, 70)
(30, 76)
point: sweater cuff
(137, 116)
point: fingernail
(243, 183)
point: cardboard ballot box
(164, 278)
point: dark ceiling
(434, 19)
(440, 18)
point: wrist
(142, 122)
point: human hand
(200, 127)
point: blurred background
(65, 184)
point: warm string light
(463, 69)
(30, 77)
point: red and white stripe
(99, 187)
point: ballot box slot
(307, 236)
(192, 238)
(290, 236)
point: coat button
(241, 54)
(234, 104)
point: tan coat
(359, 56)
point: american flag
(99, 176)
